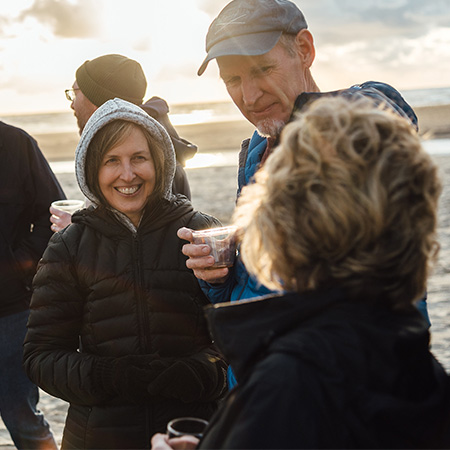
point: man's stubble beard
(270, 128)
(81, 124)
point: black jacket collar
(245, 329)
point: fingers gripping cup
(186, 426)
(222, 242)
(69, 206)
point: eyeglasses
(70, 94)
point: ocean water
(182, 114)
(427, 97)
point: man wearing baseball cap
(264, 52)
(116, 76)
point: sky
(42, 43)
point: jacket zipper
(142, 316)
(140, 300)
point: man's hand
(59, 219)
(200, 260)
(162, 442)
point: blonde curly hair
(349, 198)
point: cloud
(211, 8)
(402, 42)
(412, 17)
(142, 44)
(3, 23)
(67, 19)
(355, 20)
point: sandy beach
(213, 192)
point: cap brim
(247, 44)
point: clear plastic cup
(69, 206)
(186, 426)
(222, 242)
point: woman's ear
(305, 47)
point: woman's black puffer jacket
(103, 292)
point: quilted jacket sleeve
(51, 357)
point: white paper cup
(69, 206)
(183, 426)
(222, 242)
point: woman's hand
(59, 219)
(200, 260)
(162, 442)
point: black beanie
(111, 76)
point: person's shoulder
(85, 231)
(70, 234)
(270, 377)
(385, 88)
(12, 132)
(389, 95)
(95, 219)
(86, 220)
(191, 217)
(200, 220)
(316, 344)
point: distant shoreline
(434, 123)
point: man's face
(264, 87)
(83, 108)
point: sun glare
(212, 159)
(167, 38)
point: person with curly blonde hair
(349, 199)
(342, 220)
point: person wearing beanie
(112, 76)
(116, 76)
(104, 78)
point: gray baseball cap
(251, 27)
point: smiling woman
(116, 316)
(123, 170)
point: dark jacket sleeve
(51, 357)
(43, 188)
(29, 181)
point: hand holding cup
(61, 213)
(201, 257)
(222, 241)
(162, 442)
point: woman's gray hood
(121, 109)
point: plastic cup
(222, 242)
(69, 206)
(186, 426)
